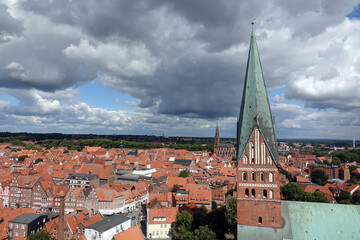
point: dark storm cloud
(183, 61)
(134, 20)
(9, 26)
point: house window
(252, 192)
(244, 177)
(260, 220)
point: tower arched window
(253, 176)
(271, 177)
(245, 160)
(271, 193)
(253, 192)
(269, 160)
(262, 177)
(252, 152)
(244, 176)
(260, 220)
(265, 193)
(263, 154)
(246, 192)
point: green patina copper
(309, 221)
(255, 107)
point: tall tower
(60, 233)
(258, 189)
(216, 139)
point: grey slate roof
(309, 221)
(26, 218)
(83, 176)
(184, 162)
(108, 223)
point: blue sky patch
(9, 98)
(96, 95)
(355, 13)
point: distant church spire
(217, 138)
(255, 107)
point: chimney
(60, 233)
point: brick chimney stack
(60, 233)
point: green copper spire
(255, 107)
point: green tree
(231, 215)
(353, 180)
(213, 205)
(38, 160)
(22, 158)
(320, 197)
(319, 177)
(175, 188)
(326, 162)
(344, 198)
(200, 218)
(184, 218)
(204, 233)
(181, 233)
(183, 223)
(218, 223)
(292, 192)
(184, 174)
(336, 161)
(287, 174)
(41, 235)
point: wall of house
(159, 230)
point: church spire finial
(252, 24)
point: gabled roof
(108, 223)
(133, 233)
(255, 107)
(26, 218)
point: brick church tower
(258, 188)
(216, 139)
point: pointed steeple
(217, 131)
(217, 138)
(255, 108)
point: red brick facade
(258, 186)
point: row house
(74, 226)
(23, 190)
(161, 222)
(5, 193)
(75, 200)
(104, 201)
(77, 180)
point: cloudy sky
(177, 67)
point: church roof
(309, 220)
(255, 107)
